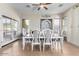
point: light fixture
(41, 6)
(27, 22)
(38, 6)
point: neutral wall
(68, 24)
(35, 20)
(6, 10)
(75, 27)
(71, 21)
(1, 36)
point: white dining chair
(53, 40)
(36, 39)
(26, 37)
(47, 38)
(23, 37)
(62, 39)
(58, 41)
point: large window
(56, 25)
(9, 29)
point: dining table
(28, 39)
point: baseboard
(72, 44)
(8, 42)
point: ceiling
(54, 8)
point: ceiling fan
(40, 5)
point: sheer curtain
(56, 25)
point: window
(9, 29)
(56, 25)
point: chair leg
(53, 44)
(43, 47)
(40, 47)
(56, 45)
(61, 46)
(23, 44)
(32, 47)
(51, 47)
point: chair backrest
(62, 33)
(36, 35)
(56, 33)
(24, 32)
(52, 33)
(47, 35)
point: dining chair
(36, 39)
(53, 40)
(47, 38)
(23, 37)
(58, 41)
(62, 39)
(27, 37)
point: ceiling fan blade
(60, 5)
(46, 8)
(28, 6)
(35, 4)
(39, 8)
(48, 3)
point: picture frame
(45, 24)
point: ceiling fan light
(41, 6)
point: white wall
(71, 21)
(1, 36)
(6, 10)
(68, 24)
(35, 20)
(75, 31)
